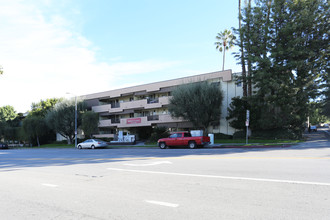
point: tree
(225, 42)
(198, 102)
(315, 114)
(34, 127)
(240, 43)
(285, 47)
(7, 113)
(8, 122)
(90, 122)
(326, 104)
(237, 114)
(62, 118)
(41, 108)
(1, 70)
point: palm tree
(225, 42)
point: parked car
(92, 143)
(3, 146)
(183, 139)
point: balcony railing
(151, 101)
(115, 121)
(153, 117)
(115, 105)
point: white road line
(163, 203)
(223, 177)
(148, 164)
(49, 185)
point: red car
(183, 139)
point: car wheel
(192, 144)
(93, 147)
(162, 145)
(79, 146)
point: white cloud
(45, 57)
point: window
(187, 135)
(215, 84)
(173, 136)
(179, 135)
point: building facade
(142, 106)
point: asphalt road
(267, 183)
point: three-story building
(138, 107)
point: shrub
(157, 133)
(239, 135)
(274, 134)
(222, 136)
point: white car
(92, 143)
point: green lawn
(259, 141)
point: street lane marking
(49, 185)
(163, 203)
(148, 164)
(223, 177)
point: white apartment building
(138, 107)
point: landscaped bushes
(157, 133)
(222, 136)
(267, 134)
(239, 135)
(274, 134)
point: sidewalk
(250, 145)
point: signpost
(247, 122)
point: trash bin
(211, 138)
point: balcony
(115, 121)
(157, 103)
(115, 105)
(101, 108)
(153, 117)
(104, 135)
(139, 121)
(137, 104)
(152, 101)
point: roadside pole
(247, 125)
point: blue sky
(49, 48)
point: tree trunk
(249, 61)
(38, 141)
(242, 50)
(224, 55)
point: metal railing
(153, 117)
(115, 121)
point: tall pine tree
(285, 44)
